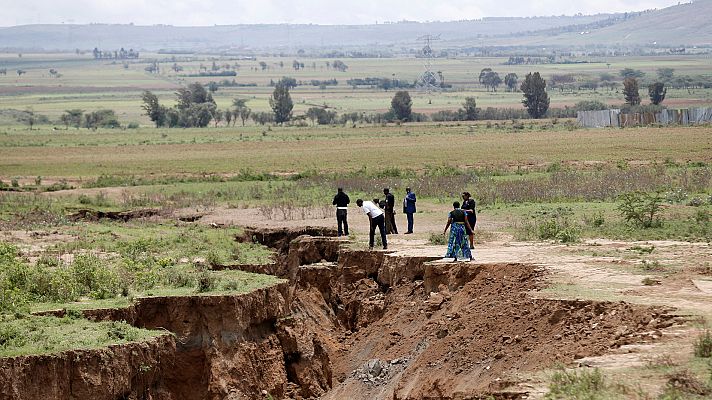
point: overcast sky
(224, 12)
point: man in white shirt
(376, 218)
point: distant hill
(681, 25)
(287, 36)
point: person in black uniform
(341, 201)
(469, 205)
(390, 212)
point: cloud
(227, 12)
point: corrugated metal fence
(604, 118)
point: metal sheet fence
(605, 118)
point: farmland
(90, 84)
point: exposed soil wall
(351, 324)
(129, 371)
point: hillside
(286, 36)
(681, 25)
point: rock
(374, 367)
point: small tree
(401, 105)
(217, 116)
(281, 103)
(29, 118)
(631, 73)
(483, 73)
(470, 108)
(641, 209)
(657, 92)
(536, 100)
(244, 114)
(65, 120)
(665, 74)
(630, 91)
(511, 81)
(73, 117)
(153, 109)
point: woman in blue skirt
(457, 245)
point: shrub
(206, 282)
(94, 279)
(554, 224)
(10, 336)
(703, 345)
(437, 239)
(121, 331)
(590, 105)
(597, 220)
(642, 209)
(586, 384)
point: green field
(86, 154)
(88, 84)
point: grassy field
(88, 84)
(85, 154)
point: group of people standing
(381, 214)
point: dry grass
(344, 149)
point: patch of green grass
(112, 262)
(584, 384)
(219, 283)
(437, 239)
(44, 335)
(148, 241)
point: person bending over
(376, 219)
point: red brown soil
(130, 371)
(460, 331)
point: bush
(552, 225)
(122, 331)
(206, 282)
(586, 384)
(642, 209)
(10, 336)
(93, 279)
(437, 239)
(590, 105)
(703, 345)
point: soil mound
(95, 215)
(280, 238)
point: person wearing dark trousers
(376, 219)
(341, 201)
(409, 208)
(470, 207)
(390, 212)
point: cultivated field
(89, 84)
